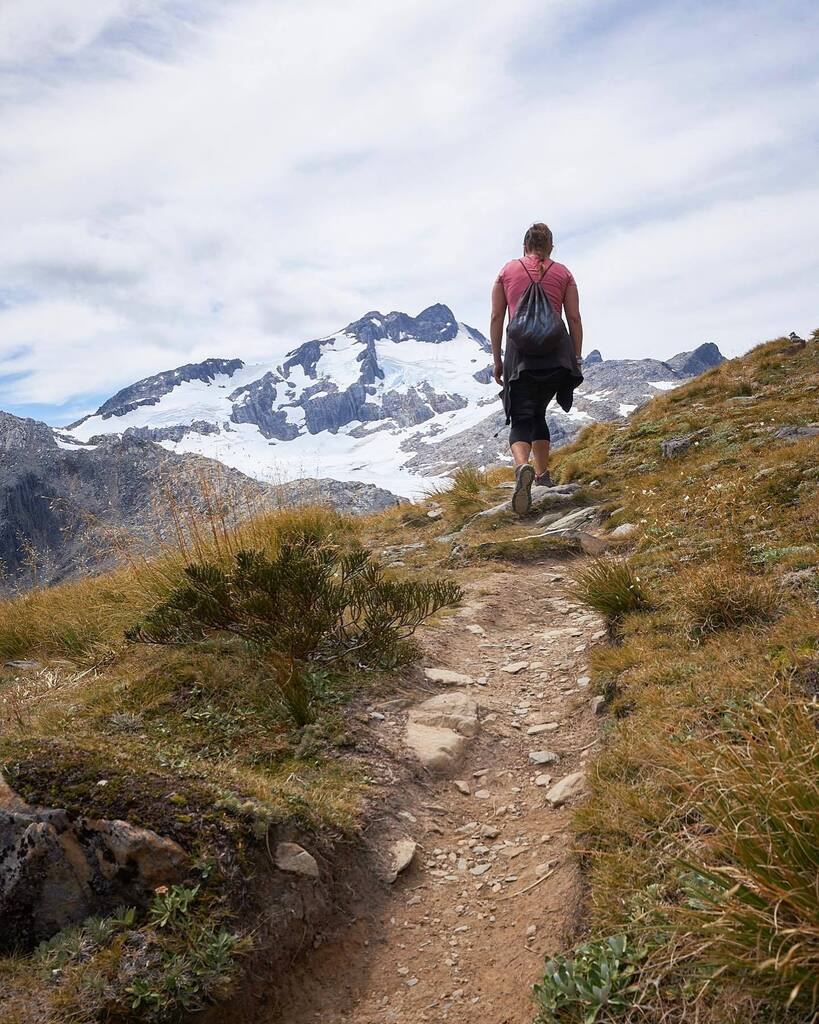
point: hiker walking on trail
(542, 359)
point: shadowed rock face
(55, 871)
(691, 364)
(254, 403)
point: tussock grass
(86, 620)
(753, 905)
(719, 596)
(613, 587)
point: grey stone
(447, 677)
(439, 729)
(543, 757)
(296, 860)
(674, 447)
(572, 521)
(451, 710)
(401, 853)
(623, 530)
(55, 871)
(597, 705)
(567, 788)
(794, 433)
(514, 667)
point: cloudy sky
(192, 178)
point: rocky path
(493, 885)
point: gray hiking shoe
(544, 480)
(522, 494)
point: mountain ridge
(363, 403)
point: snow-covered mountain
(390, 400)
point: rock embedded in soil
(543, 757)
(455, 710)
(296, 860)
(56, 871)
(447, 677)
(462, 787)
(568, 787)
(439, 750)
(536, 730)
(593, 545)
(514, 667)
(439, 729)
(623, 531)
(400, 853)
(597, 705)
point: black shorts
(528, 397)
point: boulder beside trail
(56, 871)
(568, 787)
(447, 677)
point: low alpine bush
(309, 606)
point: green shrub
(310, 605)
(597, 975)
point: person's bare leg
(540, 450)
(520, 452)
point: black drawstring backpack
(535, 329)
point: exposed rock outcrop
(55, 871)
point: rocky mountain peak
(151, 389)
(702, 358)
(434, 324)
(593, 357)
(18, 433)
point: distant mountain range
(377, 410)
(390, 400)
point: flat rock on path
(439, 729)
(494, 884)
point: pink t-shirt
(515, 281)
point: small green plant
(612, 586)
(194, 958)
(169, 905)
(599, 974)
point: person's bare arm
(571, 303)
(496, 328)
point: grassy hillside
(701, 835)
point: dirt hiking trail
(493, 885)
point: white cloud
(238, 178)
